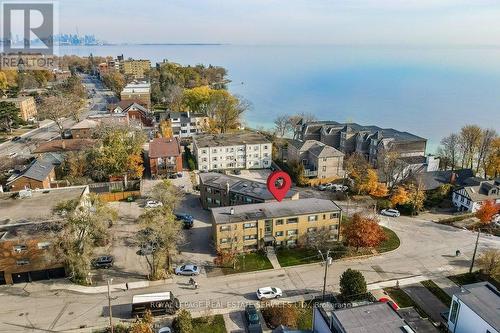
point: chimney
(227, 188)
(231, 211)
(453, 178)
(63, 144)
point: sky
(352, 22)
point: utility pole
(475, 249)
(327, 261)
(109, 307)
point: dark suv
(253, 319)
(103, 262)
(186, 219)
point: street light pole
(327, 262)
(109, 307)
(475, 250)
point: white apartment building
(186, 124)
(240, 150)
(475, 309)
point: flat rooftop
(374, 318)
(484, 299)
(274, 209)
(37, 208)
(240, 185)
(229, 139)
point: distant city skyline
(353, 22)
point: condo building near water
(219, 190)
(251, 227)
(240, 150)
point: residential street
(100, 98)
(427, 250)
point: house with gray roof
(40, 174)
(469, 198)
(185, 124)
(476, 308)
(219, 190)
(319, 160)
(369, 141)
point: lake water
(426, 91)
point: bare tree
(282, 125)
(470, 139)
(485, 148)
(450, 149)
(57, 108)
(392, 167)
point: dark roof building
(433, 179)
(217, 189)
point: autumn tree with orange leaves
(363, 231)
(487, 210)
(399, 196)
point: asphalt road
(427, 249)
(100, 97)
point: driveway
(427, 301)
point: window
(214, 166)
(266, 155)
(312, 218)
(265, 146)
(278, 233)
(324, 168)
(225, 228)
(292, 232)
(324, 159)
(214, 158)
(292, 220)
(20, 248)
(256, 148)
(291, 242)
(204, 159)
(454, 311)
(43, 245)
(22, 262)
(334, 215)
(256, 155)
(279, 222)
(249, 225)
(224, 240)
(334, 227)
(203, 151)
(250, 237)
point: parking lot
(128, 265)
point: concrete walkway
(427, 301)
(234, 321)
(447, 285)
(271, 255)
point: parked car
(187, 269)
(496, 220)
(324, 187)
(253, 319)
(16, 138)
(186, 219)
(179, 174)
(269, 293)
(103, 262)
(172, 176)
(12, 155)
(153, 204)
(165, 329)
(339, 188)
(390, 212)
(237, 172)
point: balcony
(310, 173)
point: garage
(44, 274)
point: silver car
(187, 269)
(390, 212)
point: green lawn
(249, 262)
(403, 300)
(213, 324)
(465, 278)
(391, 243)
(297, 256)
(438, 292)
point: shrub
(183, 323)
(283, 314)
(352, 285)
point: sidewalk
(447, 285)
(271, 255)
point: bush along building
(254, 226)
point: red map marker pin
(279, 188)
